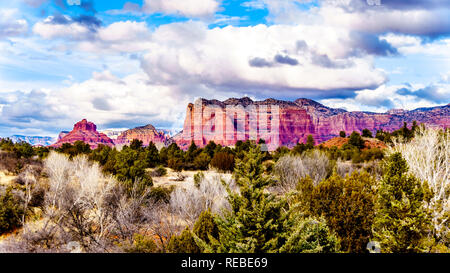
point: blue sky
(127, 63)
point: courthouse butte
(285, 123)
(279, 123)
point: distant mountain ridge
(33, 140)
(297, 120)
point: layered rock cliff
(285, 123)
(84, 131)
(146, 134)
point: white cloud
(123, 36)
(388, 97)
(189, 8)
(222, 57)
(72, 30)
(413, 22)
(105, 99)
(10, 25)
(425, 19)
(301, 57)
(124, 31)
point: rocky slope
(84, 131)
(62, 134)
(146, 134)
(285, 123)
(368, 143)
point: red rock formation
(369, 143)
(146, 134)
(283, 123)
(62, 134)
(87, 132)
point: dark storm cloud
(101, 104)
(59, 19)
(358, 5)
(371, 44)
(259, 62)
(301, 45)
(285, 60)
(87, 15)
(430, 93)
(277, 60)
(89, 21)
(324, 61)
(428, 19)
(415, 4)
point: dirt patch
(6, 179)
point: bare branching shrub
(290, 169)
(180, 177)
(190, 201)
(163, 224)
(428, 158)
(344, 168)
(83, 207)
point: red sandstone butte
(84, 131)
(146, 134)
(288, 123)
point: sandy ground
(170, 178)
(6, 179)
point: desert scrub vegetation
(11, 211)
(208, 192)
(289, 169)
(309, 198)
(85, 207)
(427, 156)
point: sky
(128, 63)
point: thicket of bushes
(305, 199)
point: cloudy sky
(126, 63)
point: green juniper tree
(183, 243)
(310, 142)
(206, 227)
(367, 133)
(152, 155)
(11, 212)
(309, 236)
(402, 221)
(205, 231)
(255, 221)
(356, 140)
(347, 204)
